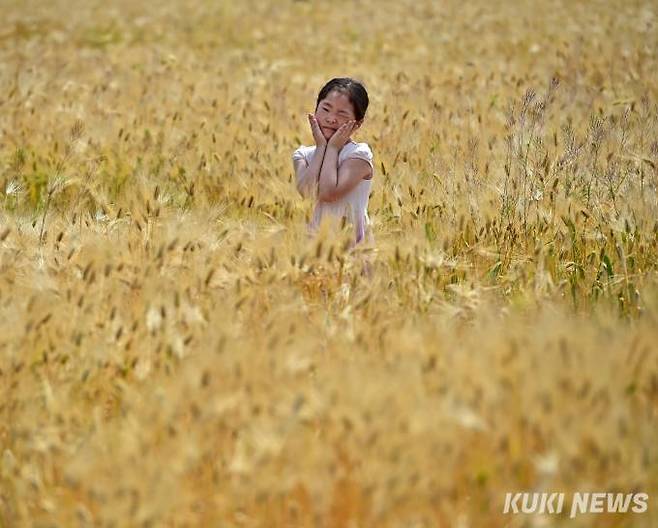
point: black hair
(354, 90)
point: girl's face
(333, 112)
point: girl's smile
(328, 132)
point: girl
(336, 171)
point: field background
(175, 352)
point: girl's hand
(341, 135)
(318, 136)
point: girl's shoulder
(303, 151)
(360, 146)
(357, 150)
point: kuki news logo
(579, 503)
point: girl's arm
(336, 182)
(307, 176)
(328, 173)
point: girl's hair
(354, 90)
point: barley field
(175, 351)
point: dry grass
(175, 352)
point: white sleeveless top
(354, 205)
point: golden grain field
(174, 350)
